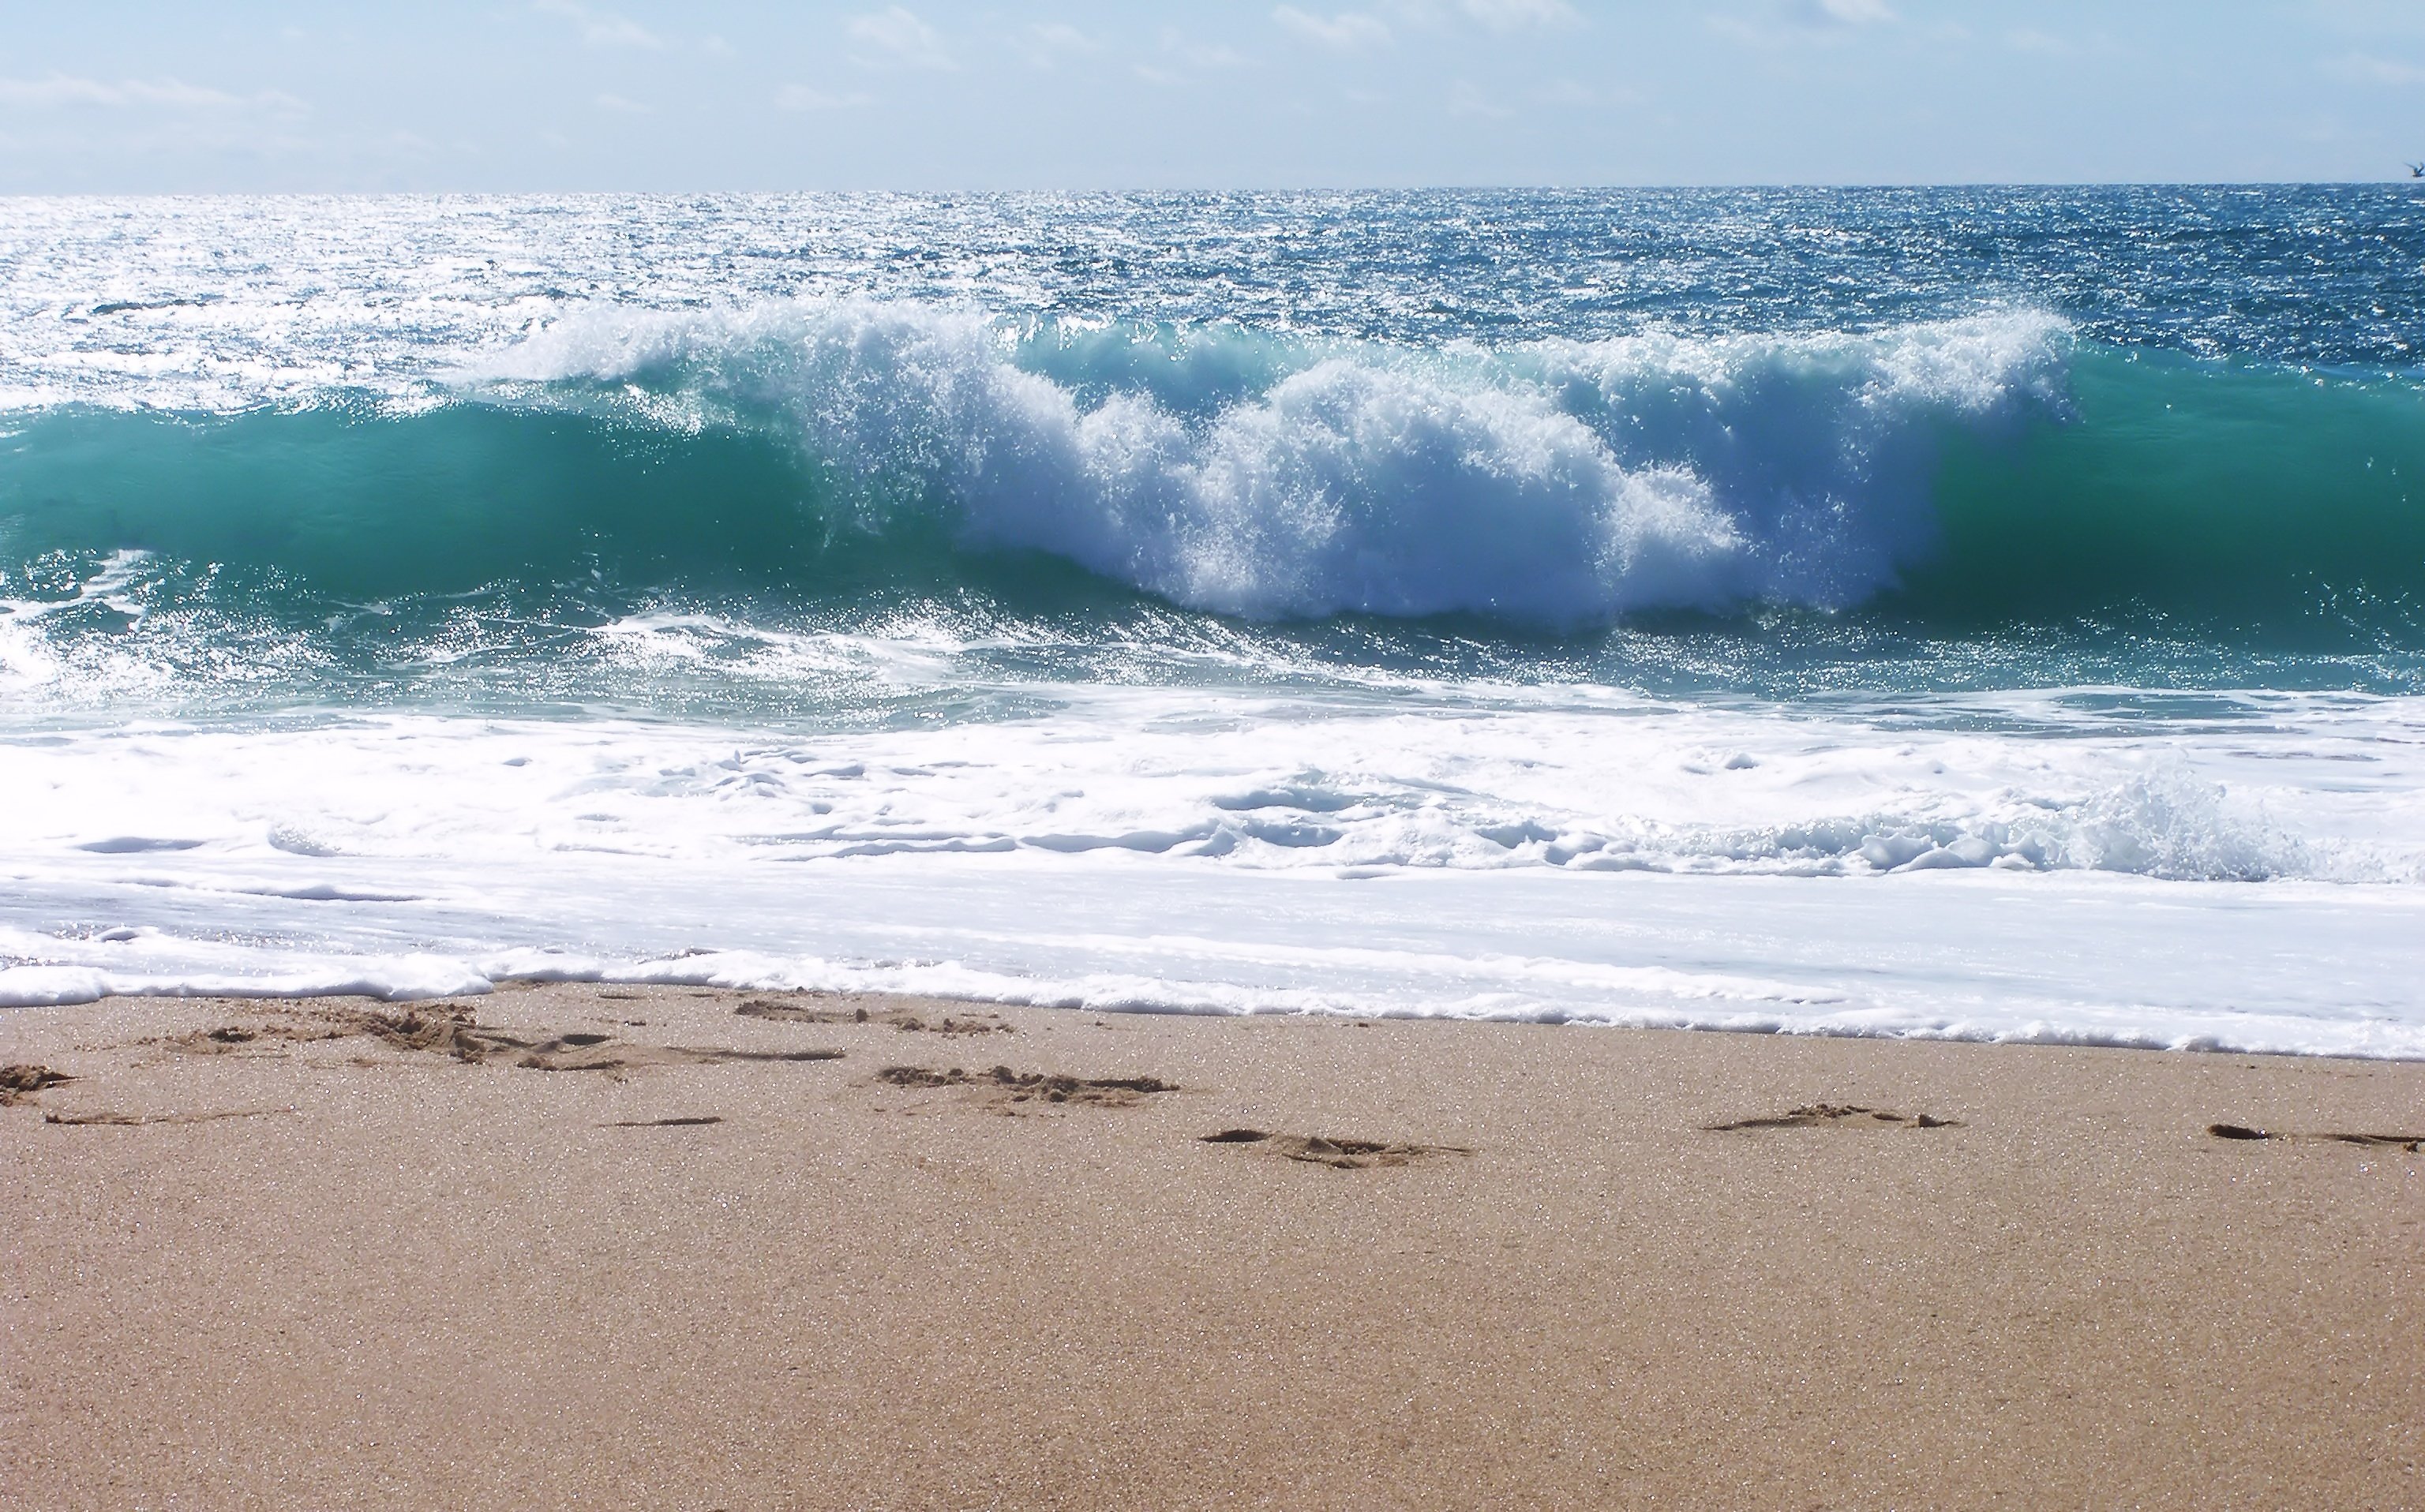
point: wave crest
(1557, 484)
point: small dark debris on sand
(1004, 1086)
(1338, 1153)
(693, 1122)
(2412, 1143)
(1836, 1116)
(18, 1083)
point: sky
(714, 95)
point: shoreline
(596, 1243)
(2052, 1039)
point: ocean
(1985, 614)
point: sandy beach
(594, 1247)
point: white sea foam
(1476, 779)
(2081, 959)
(1392, 849)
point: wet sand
(600, 1246)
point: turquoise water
(2232, 521)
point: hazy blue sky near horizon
(1076, 94)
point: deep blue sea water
(1546, 583)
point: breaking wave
(1973, 472)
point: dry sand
(339, 1254)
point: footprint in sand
(456, 1034)
(1835, 1116)
(1338, 1153)
(252, 1039)
(20, 1083)
(1004, 1089)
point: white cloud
(1799, 23)
(600, 29)
(621, 106)
(63, 116)
(1349, 31)
(1047, 44)
(800, 97)
(1512, 15)
(901, 39)
(167, 94)
(1197, 55)
(1568, 92)
(1855, 12)
(1734, 28)
(58, 90)
(1465, 100)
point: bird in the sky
(2416, 170)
